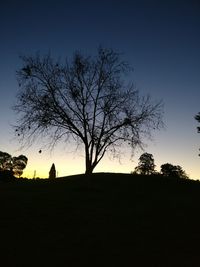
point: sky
(159, 39)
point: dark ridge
(100, 220)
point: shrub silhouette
(6, 175)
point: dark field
(107, 220)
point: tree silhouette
(5, 161)
(170, 170)
(86, 99)
(19, 164)
(146, 164)
(52, 172)
(14, 165)
(197, 117)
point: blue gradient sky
(160, 39)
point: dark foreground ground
(107, 220)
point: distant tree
(170, 170)
(19, 164)
(5, 161)
(197, 117)
(52, 172)
(146, 164)
(14, 165)
(86, 99)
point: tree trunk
(89, 171)
(88, 165)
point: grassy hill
(102, 220)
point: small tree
(52, 172)
(170, 170)
(146, 164)
(86, 99)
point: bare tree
(86, 99)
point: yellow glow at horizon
(69, 161)
(66, 165)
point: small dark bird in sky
(40, 151)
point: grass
(103, 220)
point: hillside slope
(102, 220)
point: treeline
(11, 167)
(146, 166)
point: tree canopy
(14, 165)
(146, 164)
(170, 170)
(88, 99)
